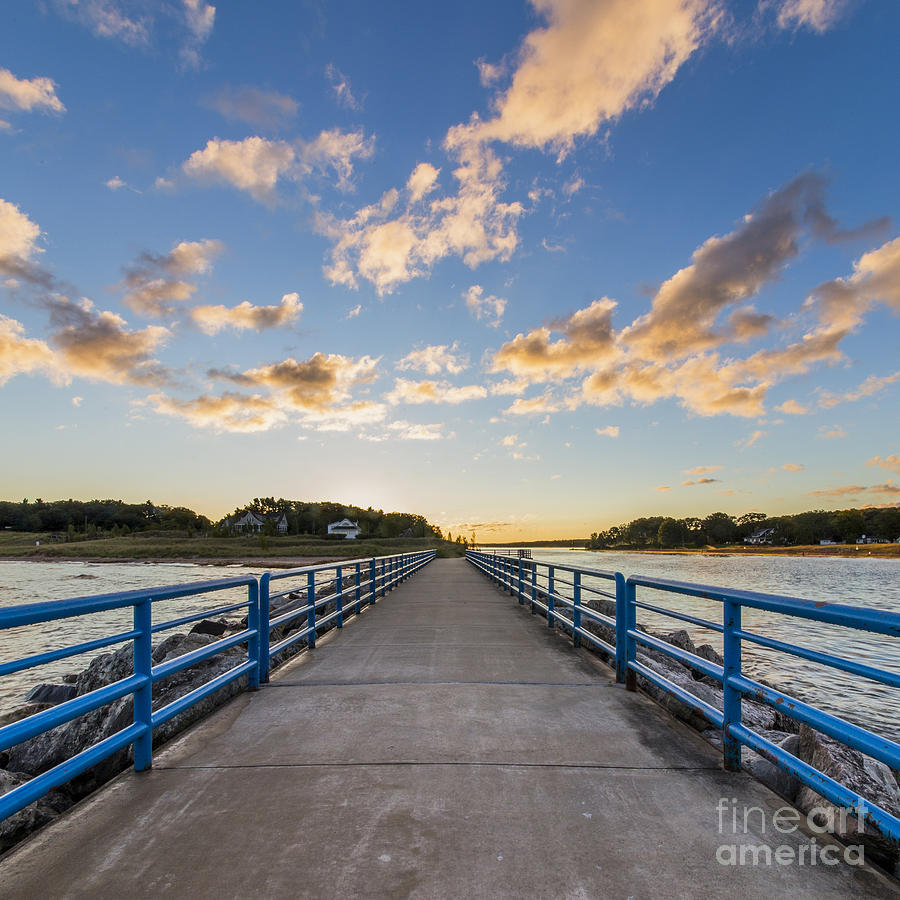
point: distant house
(763, 536)
(249, 523)
(348, 529)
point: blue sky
(530, 269)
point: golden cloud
(244, 316)
(415, 392)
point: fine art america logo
(753, 836)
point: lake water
(32, 582)
(867, 581)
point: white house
(763, 536)
(281, 524)
(345, 527)
(249, 522)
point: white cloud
(340, 84)
(422, 181)
(592, 62)
(416, 392)
(609, 431)
(28, 94)
(253, 164)
(817, 15)
(434, 359)
(490, 308)
(18, 238)
(256, 164)
(354, 313)
(407, 431)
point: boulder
(51, 694)
(208, 626)
(862, 774)
(21, 824)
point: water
(31, 582)
(867, 582)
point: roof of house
(344, 523)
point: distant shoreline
(255, 562)
(880, 551)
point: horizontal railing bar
(16, 732)
(186, 660)
(690, 659)
(683, 617)
(37, 659)
(170, 710)
(593, 590)
(880, 621)
(596, 641)
(700, 706)
(841, 730)
(598, 617)
(826, 659)
(598, 573)
(50, 610)
(830, 789)
(323, 567)
(34, 789)
(289, 616)
(288, 641)
(198, 617)
(329, 618)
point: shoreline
(846, 551)
(278, 562)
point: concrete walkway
(445, 744)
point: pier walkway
(443, 744)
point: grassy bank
(198, 548)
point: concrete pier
(443, 745)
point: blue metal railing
(539, 583)
(381, 575)
(354, 584)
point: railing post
(143, 696)
(576, 609)
(384, 578)
(551, 589)
(630, 643)
(264, 631)
(311, 611)
(731, 701)
(533, 588)
(339, 600)
(521, 590)
(621, 628)
(254, 643)
(372, 582)
(358, 588)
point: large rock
(22, 823)
(862, 774)
(50, 693)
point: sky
(530, 269)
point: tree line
(308, 518)
(101, 518)
(92, 517)
(662, 532)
